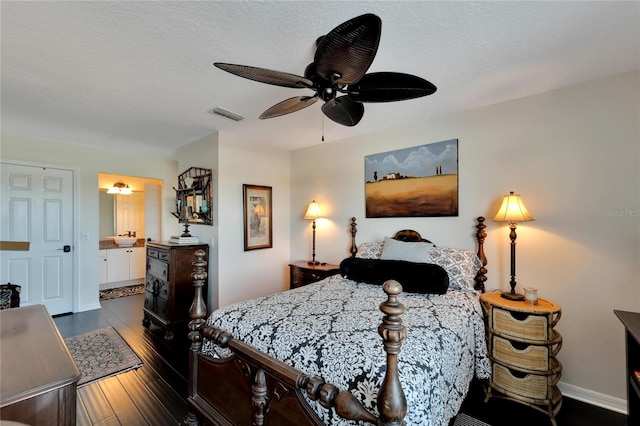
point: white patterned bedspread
(329, 329)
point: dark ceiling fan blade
(389, 87)
(288, 106)
(344, 111)
(345, 54)
(263, 75)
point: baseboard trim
(594, 398)
(89, 307)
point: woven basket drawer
(528, 357)
(529, 386)
(532, 327)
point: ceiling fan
(341, 61)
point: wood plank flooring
(155, 394)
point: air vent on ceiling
(226, 114)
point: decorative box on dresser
(523, 345)
(301, 273)
(168, 284)
(631, 321)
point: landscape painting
(421, 181)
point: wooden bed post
(392, 404)
(197, 313)
(481, 276)
(354, 248)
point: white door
(37, 206)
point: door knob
(65, 249)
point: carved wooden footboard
(252, 388)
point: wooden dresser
(169, 286)
(301, 273)
(39, 376)
(523, 345)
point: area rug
(464, 420)
(101, 353)
(113, 293)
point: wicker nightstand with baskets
(523, 346)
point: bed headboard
(409, 235)
(412, 236)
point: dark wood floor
(501, 412)
(155, 393)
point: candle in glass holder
(531, 295)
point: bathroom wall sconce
(120, 188)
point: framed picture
(420, 181)
(258, 223)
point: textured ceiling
(139, 75)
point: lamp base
(512, 296)
(316, 263)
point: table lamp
(313, 213)
(513, 211)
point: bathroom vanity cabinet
(121, 264)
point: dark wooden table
(301, 273)
(39, 376)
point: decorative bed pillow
(461, 265)
(14, 294)
(5, 299)
(414, 277)
(407, 251)
(369, 250)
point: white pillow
(408, 251)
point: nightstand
(523, 345)
(301, 273)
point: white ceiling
(139, 75)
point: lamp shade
(126, 190)
(313, 211)
(513, 210)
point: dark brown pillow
(426, 278)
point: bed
(312, 355)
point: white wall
(89, 162)
(204, 153)
(247, 274)
(573, 155)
